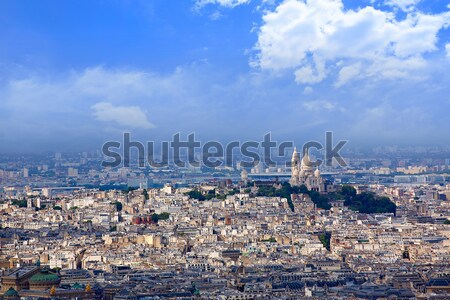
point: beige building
(302, 173)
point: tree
(319, 200)
(20, 203)
(163, 216)
(325, 239)
(118, 205)
(369, 203)
(348, 191)
(303, 189)
(155, 218)
(195, 194)
(270, 240)
(145, 193)
(284, 192)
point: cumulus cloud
(308, 90)
(80, 109)
(314, 37)
(318, 105)
(405, 5)
(216, 16)
(226, 3)
(128, 116)
(47, 108)
(347, 73)
(311, 73)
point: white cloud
(405, 5)
(312, 73)
(318, 105)
(310, 37)
(447, 48)
(216, 16)
(347, 73)
(308, 90)
(47, 106)
(128, 116)
(395, 68)
(54, 110)
(226, 3)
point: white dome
(306, 162)
(295, 155)
(317, 173)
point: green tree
(369, 203)
(155, 218)
(285, 191)
(348, 191)
(196, 194)
(325, 239)
(163, 216)
(19, 203)
(270, 240)
(303, 189)
(118, 205)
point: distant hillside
(365, 202)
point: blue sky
(76, 73)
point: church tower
(303, 173)
(295, 167)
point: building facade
(303, 173)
